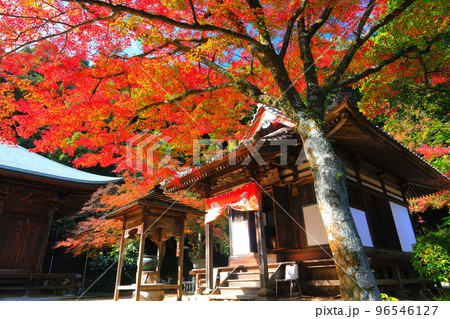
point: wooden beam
(180, 263)
(119, 264)
(342, 119)
(209, 258)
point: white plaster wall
(315, 231)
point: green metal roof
(16, 160)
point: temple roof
(350, 131)
(156, 198)
(19, 162)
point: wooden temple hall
(277, 237)
(34, 192)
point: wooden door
(381, 223)
(283, 220)
(20, 242)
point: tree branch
(358, 41)
(245, 87)
(364, 18)
(392, 59)
(290, 27)
(194, 16)
(141, 55)
(187, 94)
(309, 68)
(38, 18)
(164, 19)
(320, 22)
(258, 12)
(57, 34)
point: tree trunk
(356, 278)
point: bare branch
(290, 27)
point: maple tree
(197, 68)
(410, 100)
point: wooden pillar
(209, 259)
(395, 237)
(366, 205)
(140, 260)
(404, 188)
(262, 252)
(2, 205)
(119, 264)
(160, 251)
(3, 196)
(46, 234)
(180, 263)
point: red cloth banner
(245, 198)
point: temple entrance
(278, 224)
(242, 232)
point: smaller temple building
(34, 192)
(158, 217)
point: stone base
(265, 294)
(155, 295)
